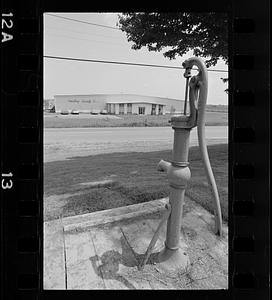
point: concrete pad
(198, 228)
(139, 234)
(208, 252)
(82, 277)
(78, 247)
(115, 260)
(53, 256)
(54, 270)
(53, 235)
(80, 272)
(106, 255)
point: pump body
(178, 172)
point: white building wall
(157, 109)
(98, 101)
(135, 108)
(117, 109)
(170, 104)
(147, 108)
(82, 103)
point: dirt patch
(135, 180)
(55, 205)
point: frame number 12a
(6, 26)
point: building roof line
(89, 95)
(132, 102)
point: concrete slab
(53, 234)
(54, 270)
(81, 275)
(106, 255)
(54, 256)
(139, 234)
(115, 260)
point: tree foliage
(225, 80)
(177, 33)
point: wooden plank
(112, 215)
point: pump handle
(199, 85)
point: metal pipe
(178, 173)
(155, 237)
(186, 97)
(187, 75)
(163, 166)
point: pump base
(172, 260)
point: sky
(68, 38)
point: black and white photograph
(135, 151)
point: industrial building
(135, 108)
(118, 104)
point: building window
(153, 109)
(111, 108)
(121, 109)
(141, 110)
(129, 108)
(160, 109)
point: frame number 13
(6, 182)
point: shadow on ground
(107, 265)
(136, 181)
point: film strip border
(21, 157)
(249, 154)
(21, 151)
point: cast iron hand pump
(198, 92)
(178, 172)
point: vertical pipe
(178, 180)
(181, 144)
(186, 96)
(178, 175)
(176, 199)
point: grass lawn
(213, 118)
(135, 180)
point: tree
(204, 33)
(225, 80)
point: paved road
(63, 143)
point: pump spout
(163, 166)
